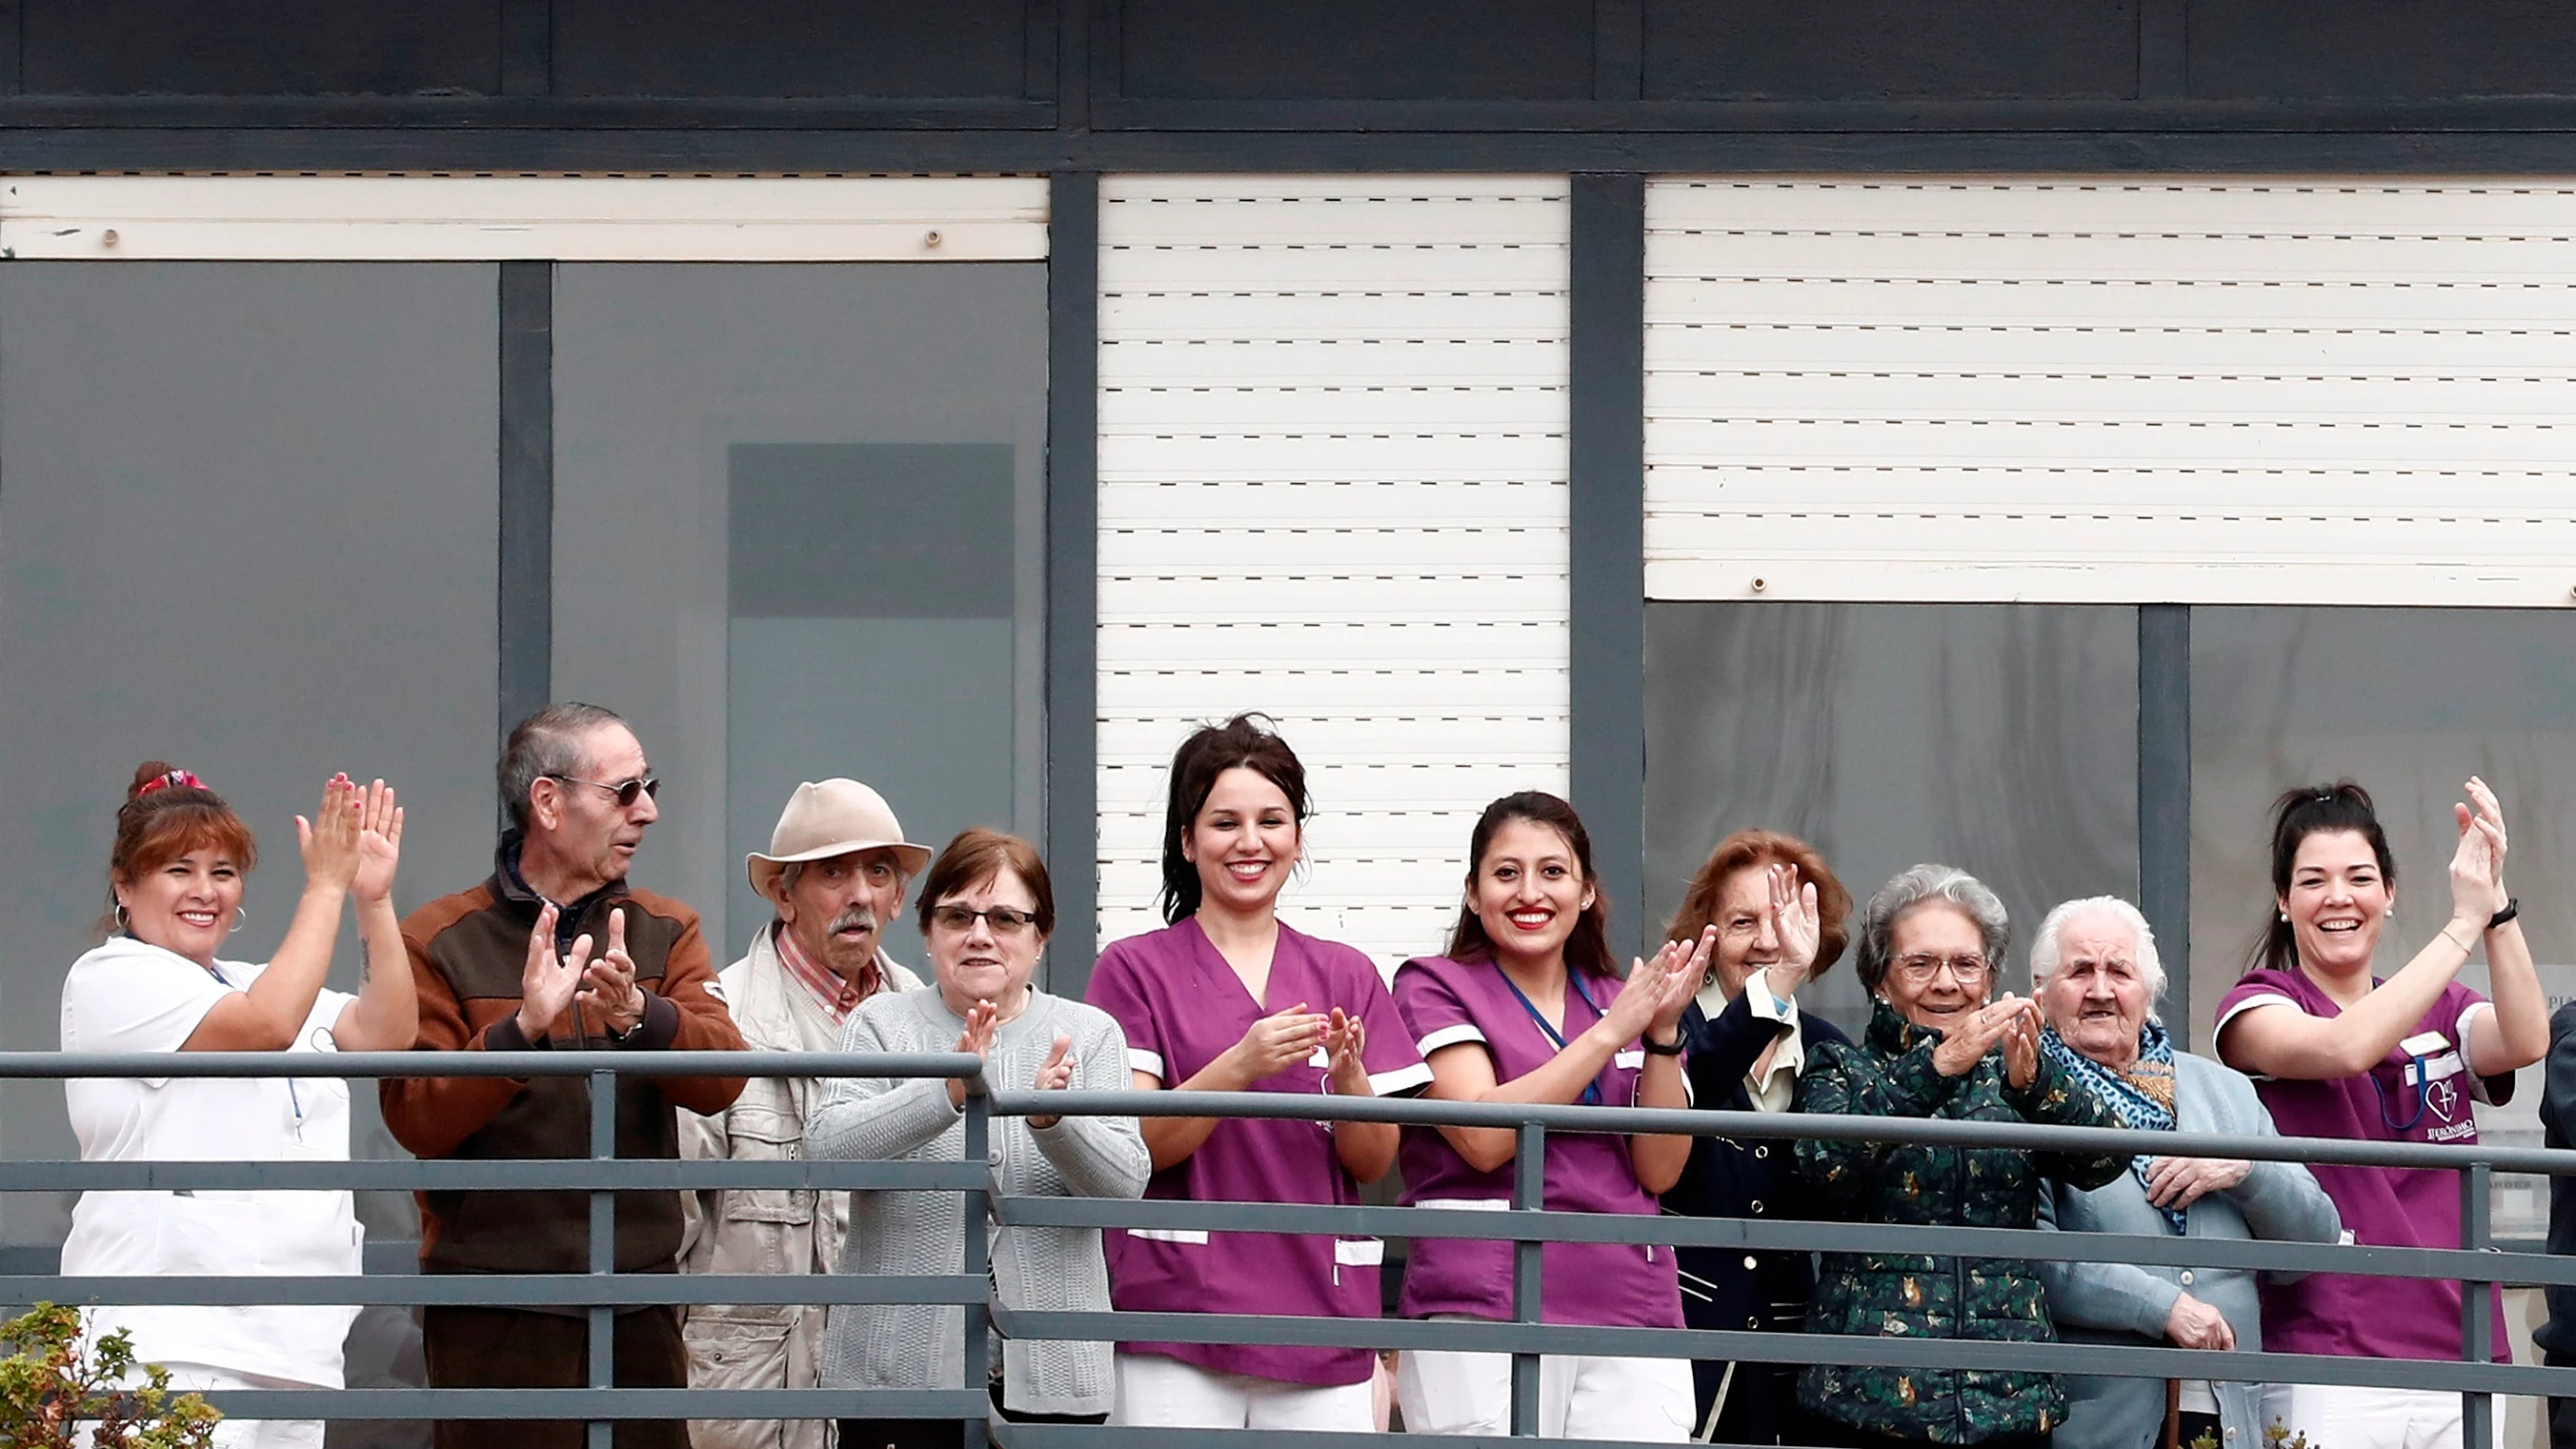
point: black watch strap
(2512, 908)
(1656, 1048)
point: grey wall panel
(2381, 48)
(1858, 50)
(1999, 738)
(802, 425)
(261, 47)
(247, 525)
(881, 48)
(1356, 50)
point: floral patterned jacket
(1889, 1073)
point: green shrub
(58, 1393)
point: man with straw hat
(836, 871)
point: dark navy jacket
(1731, 1179)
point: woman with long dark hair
(1528, 1006)
(2336, 1051)
(1229, 998)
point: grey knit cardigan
(898, 1346)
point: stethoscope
(321, 1040)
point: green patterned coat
(1890, 1074)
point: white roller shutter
(1333, 488)
(2111, 391)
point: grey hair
(2047, 952)
(1921, 885)
(546, 743)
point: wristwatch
(1655, 1048)
(2512, 908)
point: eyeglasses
(1004, 920)
(624, 790)
(1966, 970)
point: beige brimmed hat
(826, 818)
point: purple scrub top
(1619, 1285)
(2342, 1313)
(1182, 1007)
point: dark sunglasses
(624, 790)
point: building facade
(2028, 435)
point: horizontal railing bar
(523, 1174)
(1044, 1436)
(624, 1290)
(389, 1405)
(1478, 1336)
(490, 1064)
(1793, 1235)
(1777, 1126)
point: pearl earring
(2285, 916)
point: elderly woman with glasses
(2096, 977)
(986, 912)
(1938, 1047)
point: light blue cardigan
(2128, 1303)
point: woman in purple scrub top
(1527, 1006)
(1230, 999)
(2338, 1052)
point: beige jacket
(747, 1346)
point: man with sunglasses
(554, 950)
(836, 870)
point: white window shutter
(1333, 489)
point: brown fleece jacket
(468, 953)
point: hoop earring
(118, 915)
(241, 914)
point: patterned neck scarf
(2142, 1092)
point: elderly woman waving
(1931, 942)
(2095, 974)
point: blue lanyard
(2423, 1094)
(1591, 1089)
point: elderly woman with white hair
(2094, 971)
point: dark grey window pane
(2410, 702)
(249, 526)
(1999, 738)
(799, 533)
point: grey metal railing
(1528, 1225)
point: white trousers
(1164, 1393)
(231, 1433)
(2366, 1418)
(1579, 1396)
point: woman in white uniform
(157, 984)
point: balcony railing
(2475, 1262)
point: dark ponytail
(2313, 810)
(1245, 742)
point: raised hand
(1055, 1074)
(379, 844)
(2477, 868)
(548, 982)
(977, 1038)
(1800, 927)
(2021, 1049)
(2178, 1182)
(1978, 1032)
(1656, 992)
(329, 841)
(1345, 1038)
(609, 982)
(1277, 1042)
